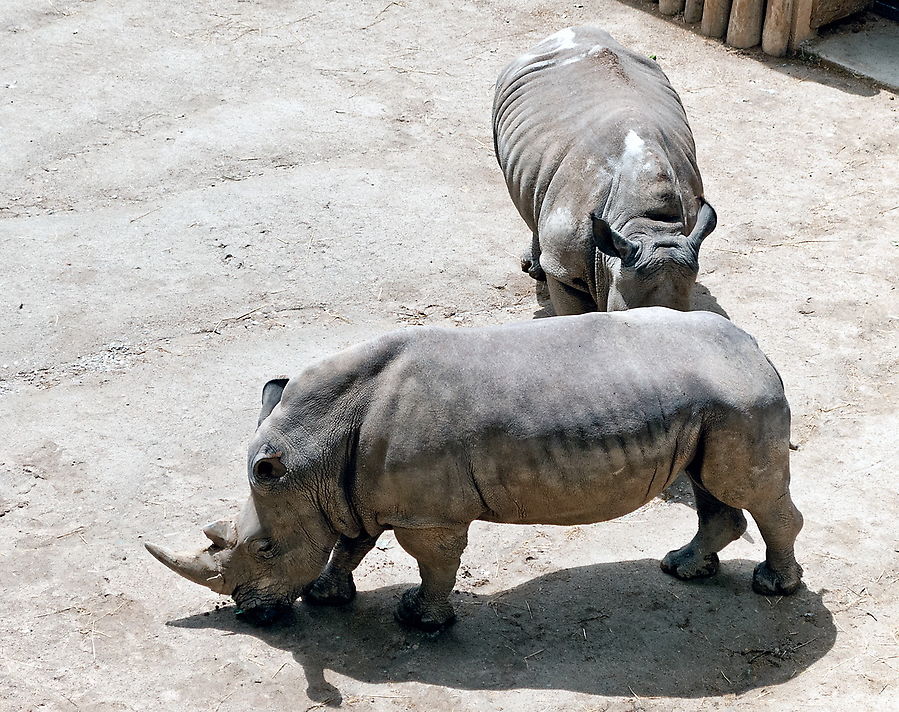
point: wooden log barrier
(693, 11)
(715, 15)
(744, 22)
(671, 7)
(744, 29)
(778, 23)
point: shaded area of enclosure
(702, 300)
(630, 617)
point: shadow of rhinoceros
(612, 629)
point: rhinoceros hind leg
(411, 611)
(437, 552)
(768, 582)
(687, 563)
(719, 525)
(779, 574)
(335, 586)
(760, 448)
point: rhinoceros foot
(688, 563)
(532, 267)
(413, 611)
(768, 582)
(330, 590)
(264, 616)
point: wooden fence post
(693, 11)
(670, 7)
(745, 26)
(714, 18)
(778, 23)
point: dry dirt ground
(198, 196)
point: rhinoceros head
(280, 542)
(655, 266)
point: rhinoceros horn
(706, 221)
(199, 568)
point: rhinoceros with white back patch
(424, 431)
(599, 160)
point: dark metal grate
(886, 8)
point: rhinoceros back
(562, 114)
(470, 423)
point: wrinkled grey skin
(599, 160)
(426, 430)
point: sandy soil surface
(199, 196)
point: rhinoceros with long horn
(425, 430)
(599, 160)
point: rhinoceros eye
(263, 548)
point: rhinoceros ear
(267, 469)
(706, 222)
(222, 533)
(612, 243)
(271, 396)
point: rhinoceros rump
(427, 429)
(600, 162)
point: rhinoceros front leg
(568, 300)
(719, 525)
(335, 586)
(530, 260)
(438, 552)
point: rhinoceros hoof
(266, 616)
(330, 591)
(687, 564)
(411, 611)
(769, 582)
(532, 267)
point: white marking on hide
(563, 39)
(595, 50)
(634, 152)
(633, 144)
(559, 220)
(576, 58)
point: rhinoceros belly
(581, 476)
